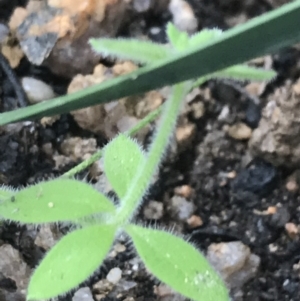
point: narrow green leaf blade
(122, 158)
(244, 72)
(178, 264)
(237, 45)
(55, 201)
(138, 51)
(177, 38)
(71, 261)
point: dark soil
(227, 207)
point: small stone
(114, 275)
(292, 230)
(13, 54)
(17, 17)
(183, 16)
(259, 178)
(225, 114)
(83, 294)
(49, 120)
(277, 137)
(195, 221)
(181, 208)
(77, 148)
(184, 191)
(231, 174)
(119, 248)
(48, 148)
(154, 210)
(126, 285)
(271, 210)
(291, 185)
(255, 88)
(279, 218)
(293, 181)
(234, 262)
(61, 161)
(12, 266)
(4, 32)
(253, 114)
(198, 109)
(36, 90)
(47, 237)
(102, 287)
(184, 135)
(240, 131)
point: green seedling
(96, 221)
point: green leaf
(204, 36)
(71, 261)
(179, 39)
(122, 159)
(178, 264)
(244, 72)
(5, 193)
(235, 46)
(138, 51)
(55, 201)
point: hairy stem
(143, 178)
(86, 163)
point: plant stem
(83, 165)
(143, 178)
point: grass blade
(265, 34)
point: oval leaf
(55, 201)
(244, 72)
(178, 264)
(71, 261)
(122, 158)
(179, 39)
(126, 49)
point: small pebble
(279, 218)
(184, 135)
(194, 221)
(259, 178)
(36, 90)
(234, 261)
(231, 174)
(154, 210)
(184, 191)
(47, 237)
(292, 230)
(291, 185)
(4, 31)
(253, 115)
(181, 208)
(114, 275)
(183, 16)
(126, 285)
(240, 131)
(83, 294)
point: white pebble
(114, 275)
(183, 16)
(83, 294)
(36, 90)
